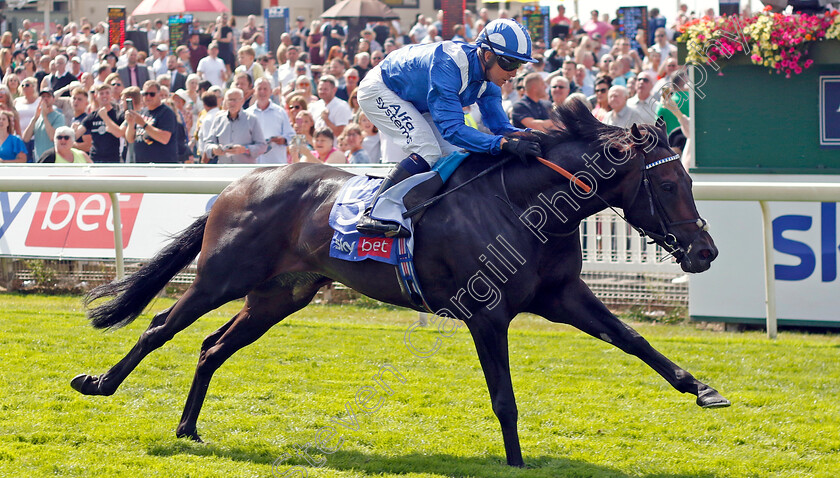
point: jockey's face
(495, 74)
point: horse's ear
(660, 123)
(634, 131)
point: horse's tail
(136, 291)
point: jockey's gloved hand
(521, 148)
(529, 135)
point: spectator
(371, 141)
(183, 55)
(313, 44)
(197, 51)
(159, 61)
(286, 73)
(599, 102)
(299, 33)
(332, 35)
(62, 150)
(247, 63)
(43, 124)
(597, 29)
(570, 72)
(351, 82)
(667, 74)
(620, 114)
(274, 123)
(644, 102)
(532, 111)
(100, 129)
(6, 104)
(245, 84)
(560, 90)
(329, 111)
(662, 45)
(205, 119)
(223, 34)
(235, 137)
(12, 147)
(212, 68)
(133, 74)
(324, 152)
(249, 30)
(151, 129)
(656, 22)
(304, 126)
(362, 64)
(356, 154)
(133, 93)
(61, 77)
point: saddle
(403, 203)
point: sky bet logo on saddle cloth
(347, 243)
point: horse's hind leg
(576, 305)
(193, 304)
(262, 310)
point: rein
(433, 200)
(668, 240)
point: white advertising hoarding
(805, 250)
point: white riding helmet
(506, 38)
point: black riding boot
(406, 168)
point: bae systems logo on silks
(401, 119)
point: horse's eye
(668, 187)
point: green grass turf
(585, 408)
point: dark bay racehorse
(267, 239)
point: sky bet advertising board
(805, 256)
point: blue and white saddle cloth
(355, 196)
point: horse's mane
(574, 122)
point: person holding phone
(151, 129)
(103, 128)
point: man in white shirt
(286, 72)
(621, 114)
(274, 123)
(159, 65)
(662, 45)
(329, 111)
(644, 102)
(211, 67)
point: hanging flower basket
(779, 42)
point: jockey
(416, 96)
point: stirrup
(374, 227)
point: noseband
(667, 239)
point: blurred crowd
(223, 97)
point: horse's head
(662, 206)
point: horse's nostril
(705, 254)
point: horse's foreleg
(576, 305)
(258, 315)
(163, 327)
(491, 343)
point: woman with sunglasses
(63, 151)
(416, 94)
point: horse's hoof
(89, 385)
(84, 384)
(192, 435)
(710, 398)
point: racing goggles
(508, 64)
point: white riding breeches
(399, 122)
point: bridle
(667, 239)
